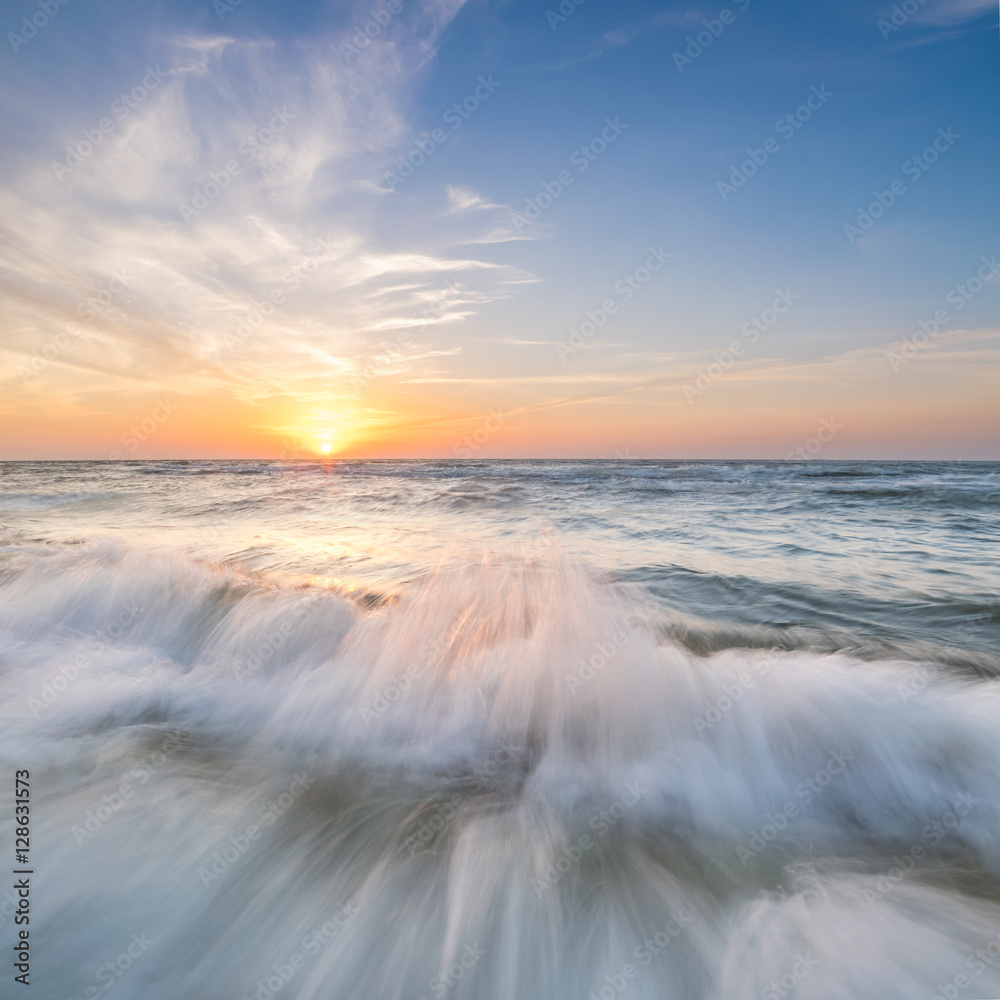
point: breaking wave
(508, 779)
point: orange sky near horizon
(215, 279)
(756, 412)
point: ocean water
(504, 730)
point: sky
(447, 229)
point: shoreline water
(737, 694)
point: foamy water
(505, 730)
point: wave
(49, 501)
(504, 781)
(955, 497)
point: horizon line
(327, 459)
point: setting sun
(325, 448)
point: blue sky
(449, 254)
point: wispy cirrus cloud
(954, 12)
(246, 174)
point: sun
(325, 447)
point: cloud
(243, 176)
(465, 199)
(498, 224)
(627, 33)
(669, 18)
(953, 12)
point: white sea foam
(500, 785)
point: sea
(500, 730)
